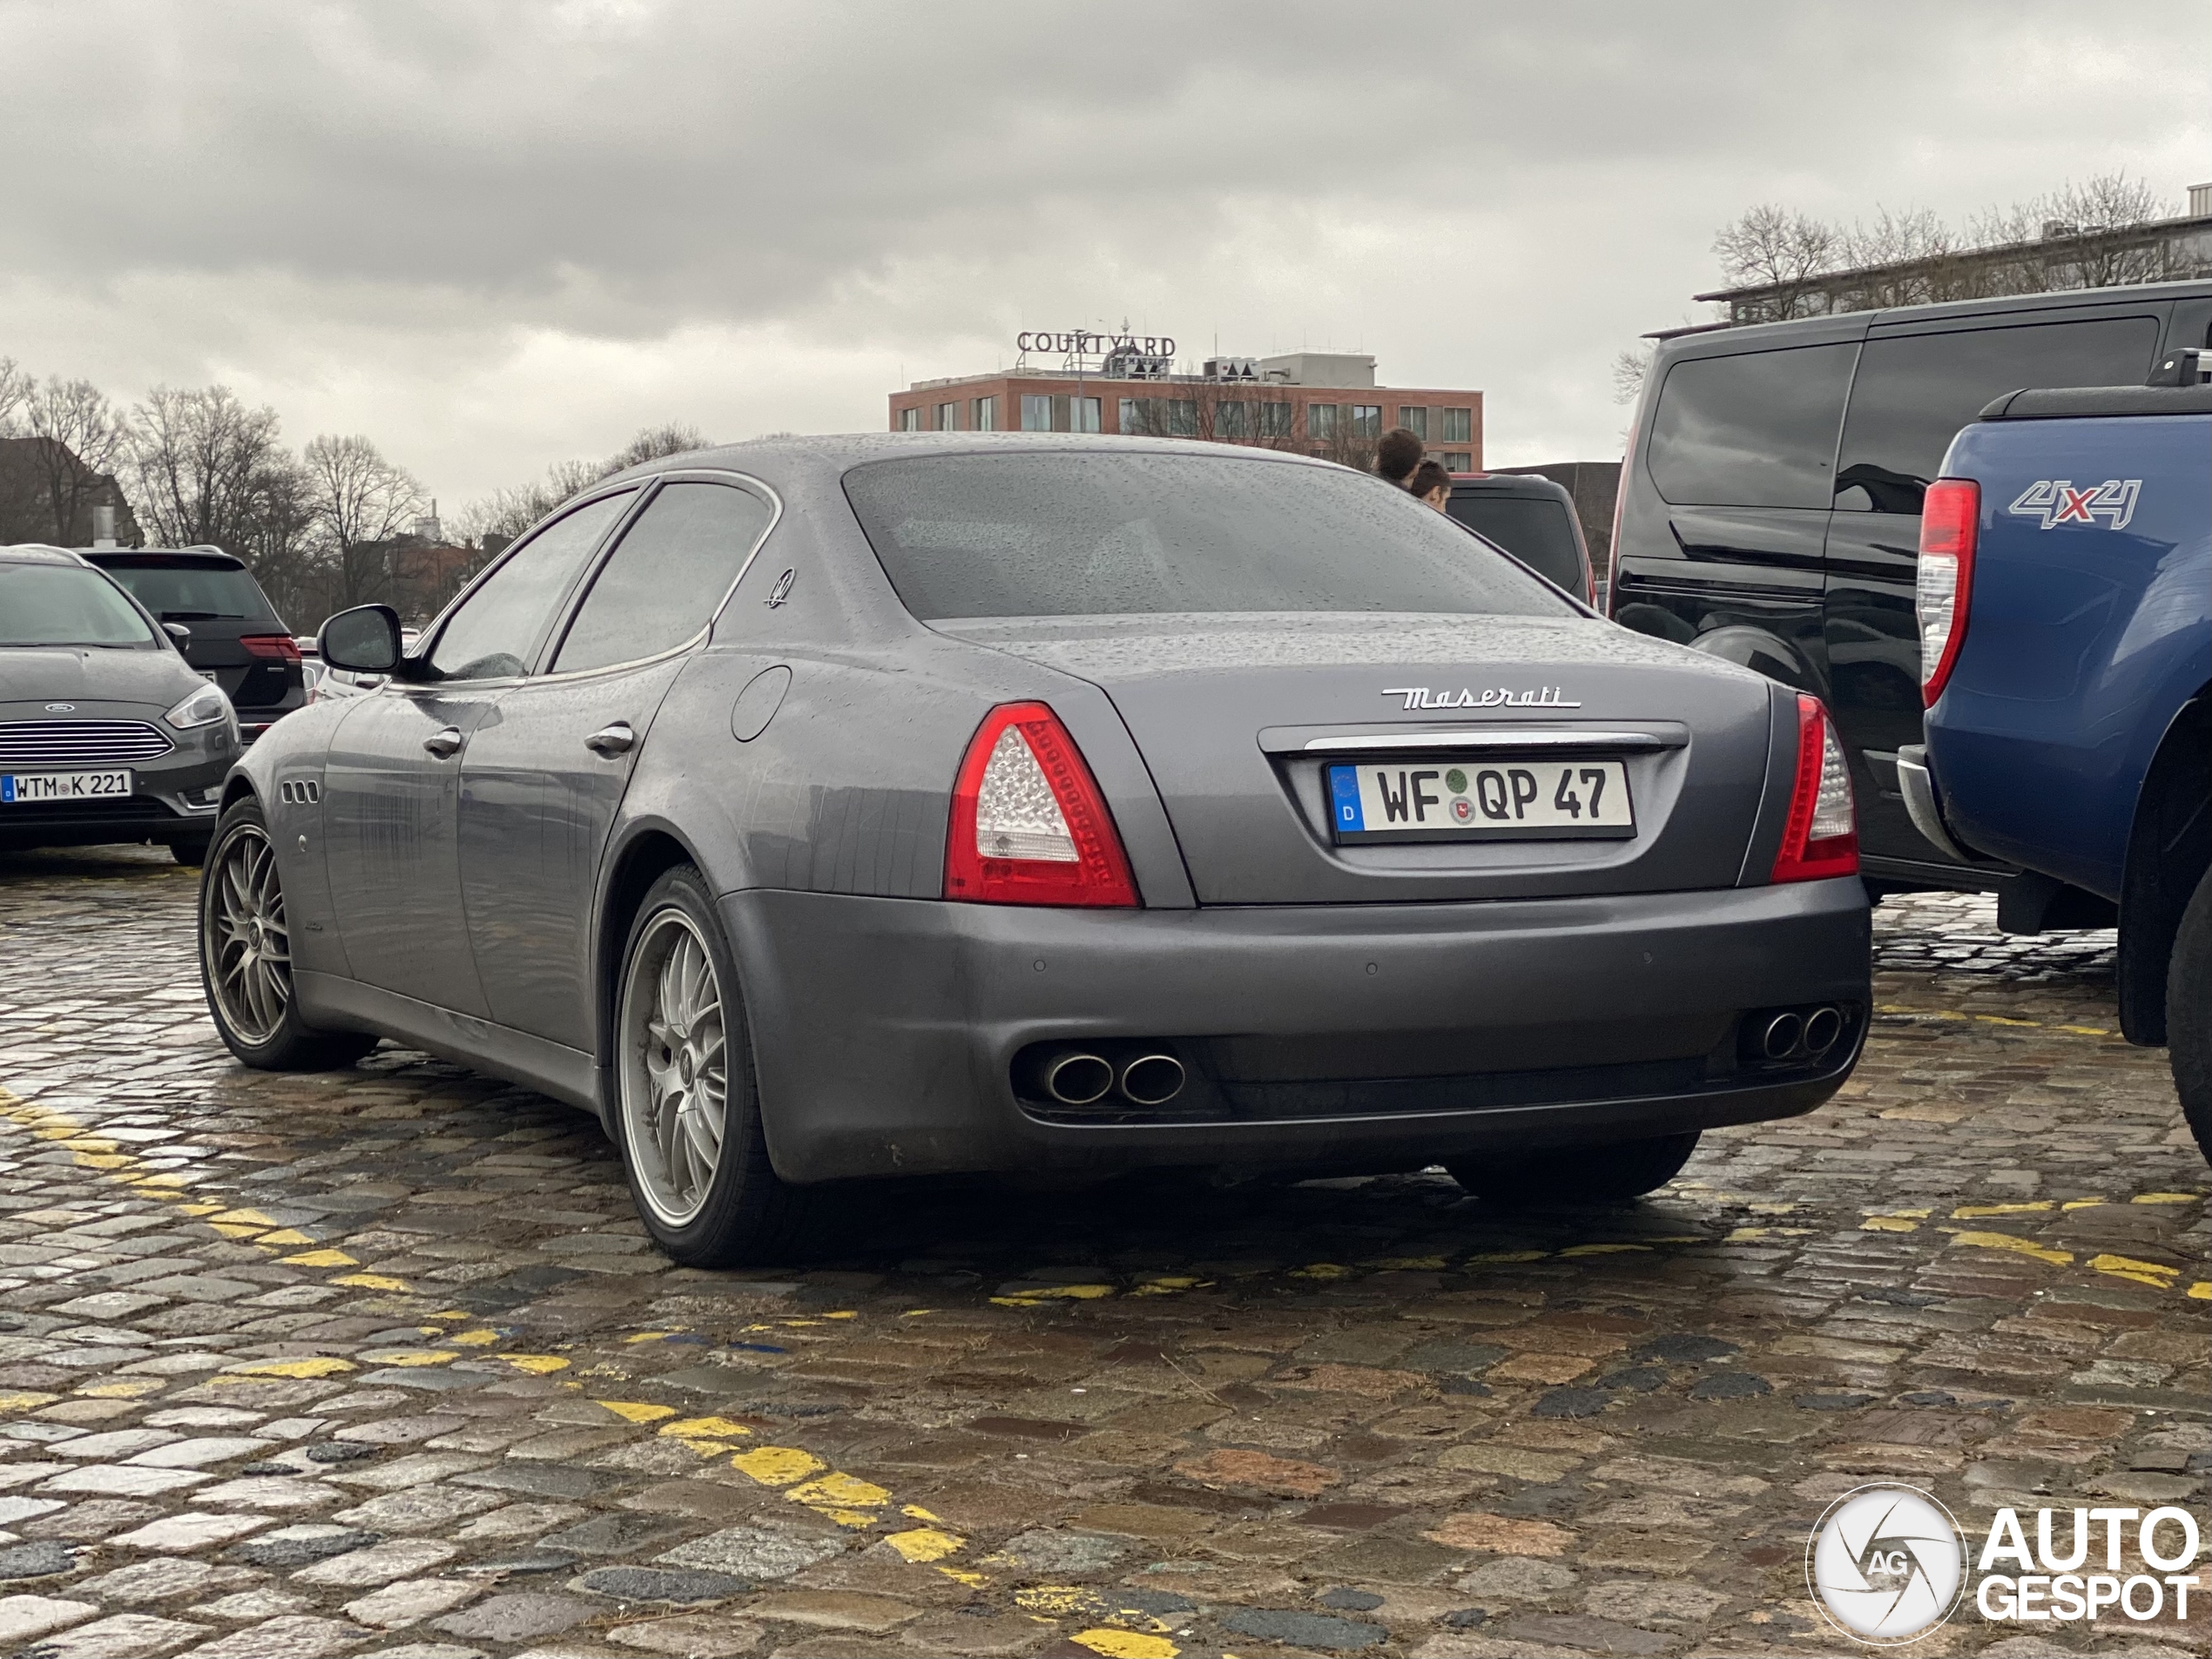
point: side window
(492, 635)
(1915, 391)
(1757, 429)
(667, 577)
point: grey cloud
(350, 203)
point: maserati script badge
(1419, 696)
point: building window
(1084, 414)
(1366, 419)
(1036, 413)
(1320, 420)
(1458, 461)
(1459, 426)
(987, 415)
(1274, 421)
(1414, 421)
(1232, 420)
(949, 417)
(909, 420)
(1136, 417)
(1182, 418)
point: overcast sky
(492, 236)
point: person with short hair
(1431, 483)
(1397, 453)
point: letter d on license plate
(1485, 799)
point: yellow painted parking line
(1974, 1212)
(321, 1258)
(309, 1366)
(2014, 1245)
(636, 1411)
(2156, 1274)
(2167, 1198)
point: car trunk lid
(1238, 717)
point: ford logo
(61, 708)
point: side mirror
(177, 630)
(364, 640)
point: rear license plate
(1481, 800)
(27, 787)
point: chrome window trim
(647, 489)
(1494, 737)
(681, 475)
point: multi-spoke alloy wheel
(249, 953)
(686, 1109)
(245, 954)
(675, 1067)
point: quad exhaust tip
(1078, 1079)
(1791, 1035)
(1779, 1040)
(1152, 1079)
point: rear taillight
(275, 648)
(1949, 518)
(1821, 837)
(1028, 824)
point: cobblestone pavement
(381, 1362)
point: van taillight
(1820, 837)
(1950, 518)
(1028, 824)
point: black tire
(1575, 1175)
(747, 1215)
(2188, 1015)
(191, 854)
(263, 1028)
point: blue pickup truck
(2066, 622)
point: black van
(1770, 506)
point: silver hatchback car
(822, 808)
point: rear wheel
(246, 954)
(2188, 1015)
(687, 1112)
(1576, 1175)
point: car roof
(37, 553)
(1532, 486)
(159, 558)
(1723, 339)
(788, 456)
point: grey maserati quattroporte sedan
(822, 808)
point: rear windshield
(1093, 533)
(182, 592)
(58, 604)
(1538, 533)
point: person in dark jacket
(1397, 453)
(1433, 484)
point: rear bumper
(1355, 1037)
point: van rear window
(1538, 533)
(1084, 533)
(1756, 429)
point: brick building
(1321, 403)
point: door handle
(611, 740)
(445, 744)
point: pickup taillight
(1950, 518)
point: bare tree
(197, 460)
(77, 440)
(672, 438)
(1631, 368)
(363, 502)
(505, 514)
(284, 543)
(1770, 247)
(15, 392)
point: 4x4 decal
(2055, 501)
